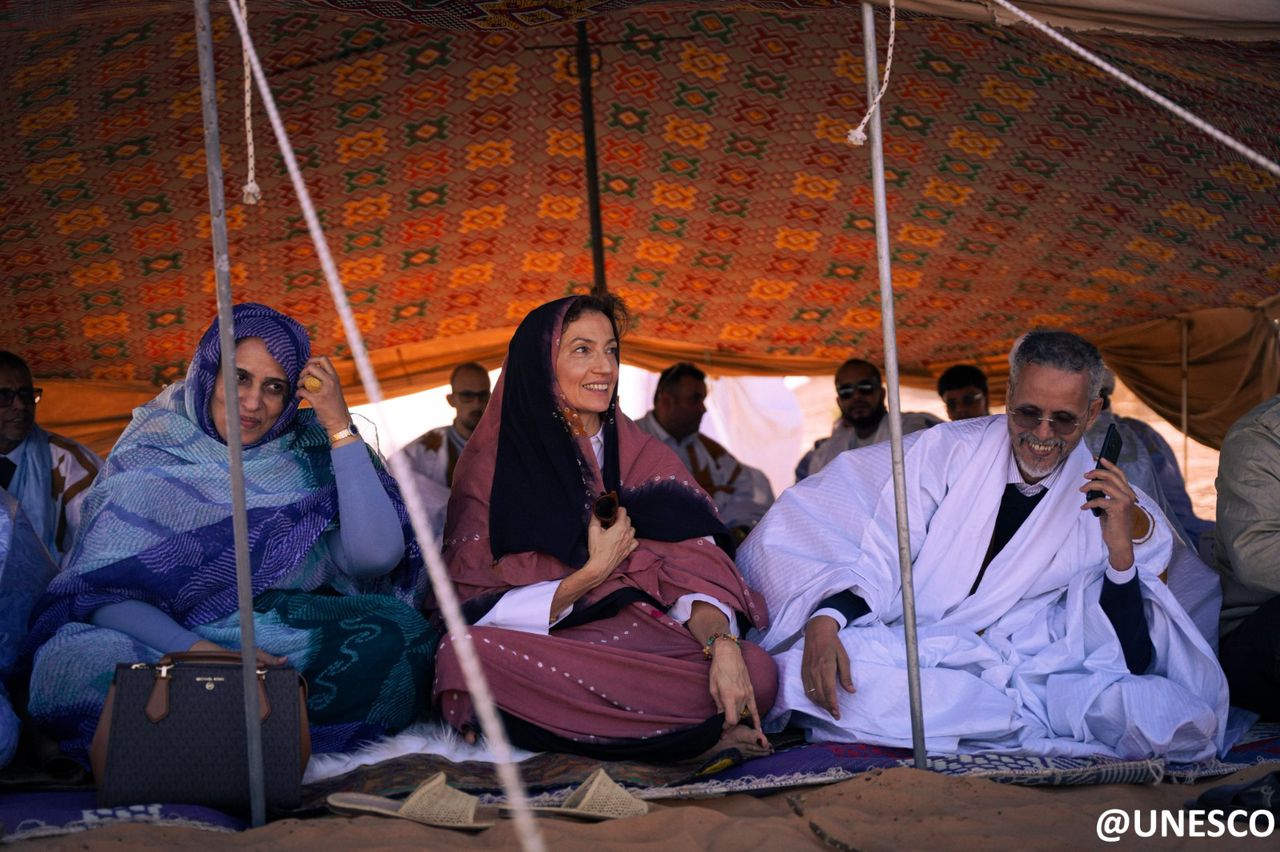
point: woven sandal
(598, 798)
(434, 803)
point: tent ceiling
(1249, 20)
(1025, 188)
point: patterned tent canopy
(1025, 187)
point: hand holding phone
(1111, 445)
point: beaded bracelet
(711, 640)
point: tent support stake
(226, 331)
(587, 102)
(891, 379)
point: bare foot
(744, 739)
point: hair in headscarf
(286, 340)
(543, 484)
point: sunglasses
(29, 395)
(472, 396)
(863, 388)
(1029, 417)
(966, 400)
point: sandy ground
(889, 810)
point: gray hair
(1060, 350)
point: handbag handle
(158, 702)
(229, 657)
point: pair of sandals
(437, 804)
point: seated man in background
(863, 417)
(963, 389)
(434, 456)
(1042, 628)
(742, 493)
(49, 474)
(1247, 552)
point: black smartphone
(1111, 444)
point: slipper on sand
(434, 803)
(597, 798)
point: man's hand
(1121, 519)
(824, 661)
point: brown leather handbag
(175, 732)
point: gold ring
(312, 384)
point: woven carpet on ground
(29, 815)
(548, 777)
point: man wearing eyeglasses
(963, 389)
(434, 455)
(1043, 627)
(48, 473)
(863, 417)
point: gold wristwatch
(348, 432)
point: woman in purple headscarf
(153, 568)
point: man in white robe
(49, 473)
(1042, 628)
(434, 455)
(742, 493)
(864, 420)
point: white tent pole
(891, 380)
(1185, 324)
(526, 830)
(226, 333)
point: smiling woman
(337, 574)
(615, 638)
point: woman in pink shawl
(614, 640)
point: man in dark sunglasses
(49, 474)
(863, 416)
(433, 456)
(1043, 627)
(963, 389)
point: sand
(880, 810)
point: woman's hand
(329, 403)
(264, 659)
(608, 548)
(731, 689)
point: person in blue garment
(337, 575)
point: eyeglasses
(966, 400)
(864, 388)
(1029, 417)
(472, 396)
(29, 395)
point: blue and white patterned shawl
(156, 525)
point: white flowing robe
(1030, 662)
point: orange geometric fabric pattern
(1024, 187)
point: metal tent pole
(1185, 324)
(226, 331)
(599, 288)
(891, 379)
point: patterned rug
(549, 777)
(25, 816)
